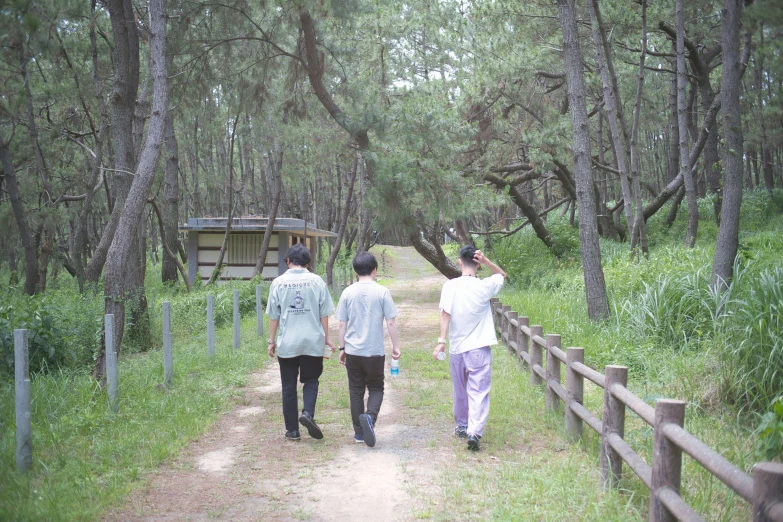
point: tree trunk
(117, 259)
(25, 234)
(169, 233)
(343, 223)
(728, 233)
(685, 171)
(613, 115)
(595, 286)
(432, 252)
(231, 206)
(639, 235)
(272, 169)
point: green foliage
(754, 357)
(666, 319)
(86, 459)
(770, 432)
(63, 330)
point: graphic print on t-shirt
(298, 301)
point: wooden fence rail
(544, 356)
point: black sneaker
(473, 442)
(358, 439)
(292, 435)
(369, 430)
(461, 432)
(307, 421)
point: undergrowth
(721, 351)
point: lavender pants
(471, 375)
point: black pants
(308, 369)
(364, 373)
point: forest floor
(243, 469)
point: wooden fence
(544, 358)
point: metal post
(613, 422)
(552, 371)
(236, 319)
(168, 356)
(24, 424)
(512, 332)
(767, 490)
(259, 313)
(210, 325)
(575, 386)
(523, 340)
(667, 457)
(111, 364)
(535, 354)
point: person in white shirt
(466, 316)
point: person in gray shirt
(361, 311)
(299, 305)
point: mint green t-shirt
(298, 300)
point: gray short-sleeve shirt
(298, 300)
(363, 306)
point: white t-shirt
(466, 300)
(363, 306)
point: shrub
(61, 334)
(770, 432)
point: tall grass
(667, 323)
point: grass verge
(86, 459)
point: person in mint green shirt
(298, 307)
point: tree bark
(595, 286)
(613, 114)
(117, 259)
(728, 233)
(432, 252)
(639, 230)
(17, 205)
(685, 171)
(170, 200)
(273, 166)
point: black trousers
(365, 373)
(308, 369)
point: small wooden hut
(204, 237)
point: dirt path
(243, 469)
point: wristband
(271, 342)
(342, 348)
(441, 340)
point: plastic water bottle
(395, 368)
(441, 356)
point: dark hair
(466, 253)
(298, 255)
(364, 263)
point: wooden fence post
(494, 303)
(667, 457)
(237, 326)
(168, 356)
(512, 331)
(552, 371)
(535, 354)
(504, 322)
(24, 422)
(575, 385)
(210, 325)
(259, 313)
(767, 490)
(613, 422)
(111, 364)
(523, 340)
